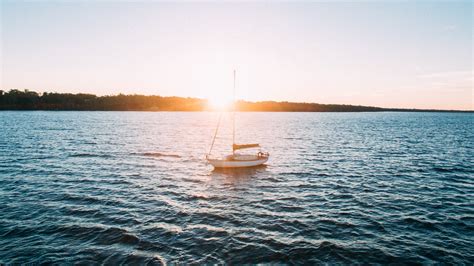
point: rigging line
(215, 134)
(233, 117)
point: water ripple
(133, 188)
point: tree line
(30, 100)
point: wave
(90, 155)
(98, 234)
(203, 197)
(159, 154)
(452, 169)
(420, 223)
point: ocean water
(133, 187)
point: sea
(134, 188)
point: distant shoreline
(16, 100)
(202, 111)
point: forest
(30, 100)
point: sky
(403, 54)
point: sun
(220, 103)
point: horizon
(389, 55)
(219, 107)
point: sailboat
(237, 159)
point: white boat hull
(224, 163)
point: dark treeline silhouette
(30, 100)
(270, 106)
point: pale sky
(410, 54)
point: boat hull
(222, 163)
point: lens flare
(220, 103)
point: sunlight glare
(220, 103)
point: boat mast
(233, 118)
